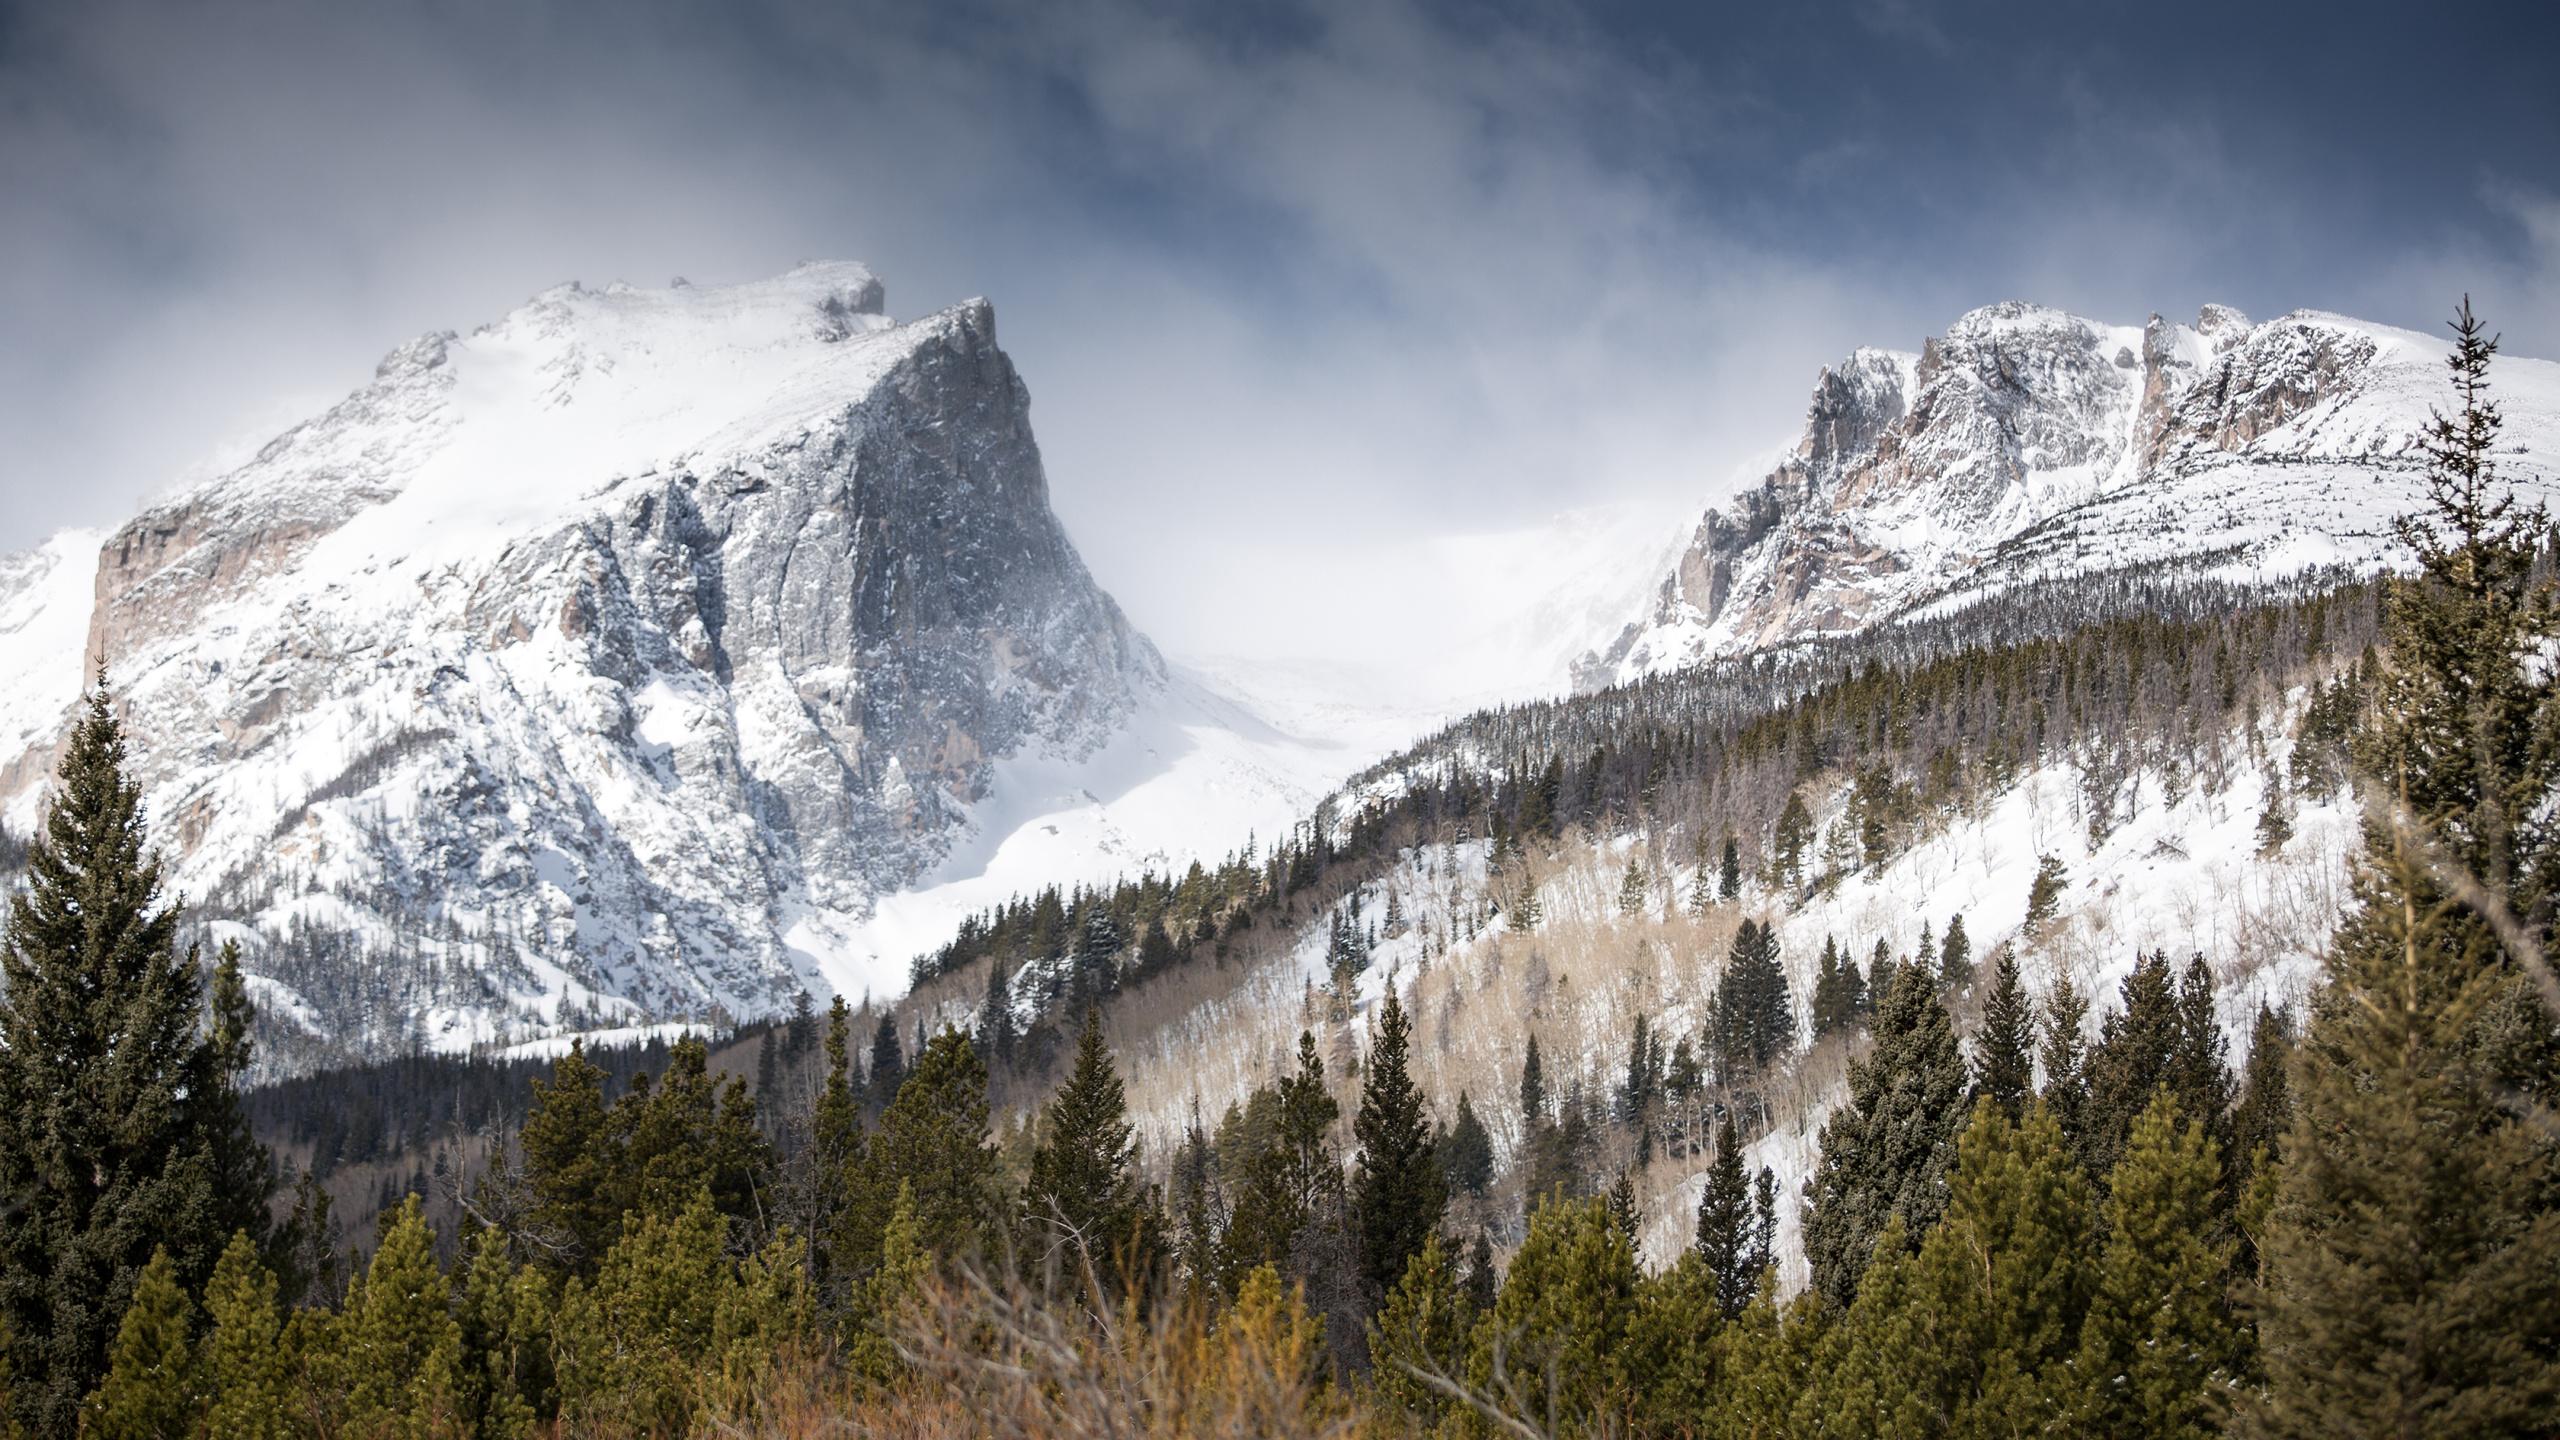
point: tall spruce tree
(934, 1136)
(1724, 1226)
(1399, 1193)
(1755, 1018)
(1885, 1153)
(1466, 1154)
(2004, 1048)
(2414, 1256)
(121, 1131)
(2065, 1056)
(1083, 1189)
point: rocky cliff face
(607, 663)
(2028, 444)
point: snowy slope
(2027, 444)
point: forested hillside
(2138, 1029)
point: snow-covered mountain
(614, 661)
(2028, 444)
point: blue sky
(1289, 283)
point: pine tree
(2157, 1330)
(1291, 1180)
(503, 1316)
(2414, 1256)
(995, 1015)
(1794, 839)
(2266, 1102)
(1466, 1157)
(1399, 1193)
(2004, 1048)
(2044, 895)
(1084, 1190)
(1976, 1332)
(1533, 1087)
(570, 1160)
(404, 1349)
(1421, 1331)
(1885, 1153)
(934, 1136)
(1481, 1281)
(1729, 872)
(121, 1132)
(1832, 1011)
(1955, 957)
(154, 1385)
(243, 1374)
(1623, 1210)
(1631, 892)
(1702, 893)
(1755, 1019)
(1724, 1226)
(841, 1196)
(888, 1062)
(1561, 1318)
(2065, 1058)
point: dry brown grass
(999, 1359)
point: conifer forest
(1608, 1146)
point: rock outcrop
(607, 663)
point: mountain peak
(2028, 443)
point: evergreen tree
(2044, 895)
(403, 1346)
(1702, 892)
(2163, 1037)
(1724, 1226)
(1729, 872)
(1559, 1325)
(571, 1163)
(1955, 957)
(1421, 1331)
(1975, 1334)
(2157, 1329)
(1794, 839)
(685, 1133)
(2065, 1057)
(1084, 1188)
(121, 1132)
(1885, 1153)
(503, 1316)
(2004, 1048)
(1755, 1019)
(1833, 1011)
(243, 1373)
(841, 1202)
(1631, 892)
(1466, 1157)
(154, 1386)
(1292, 1179)
(888, 1062)
(1623, 1210)
(1481, 1281)
(1399, 1192)
(2414, 1254)
(1533, 1087)
(934, 1136)
(2266, 1101)
(995, 1015)
(1763, 1251)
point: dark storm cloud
(1287, 281)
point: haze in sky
(1293, 285)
